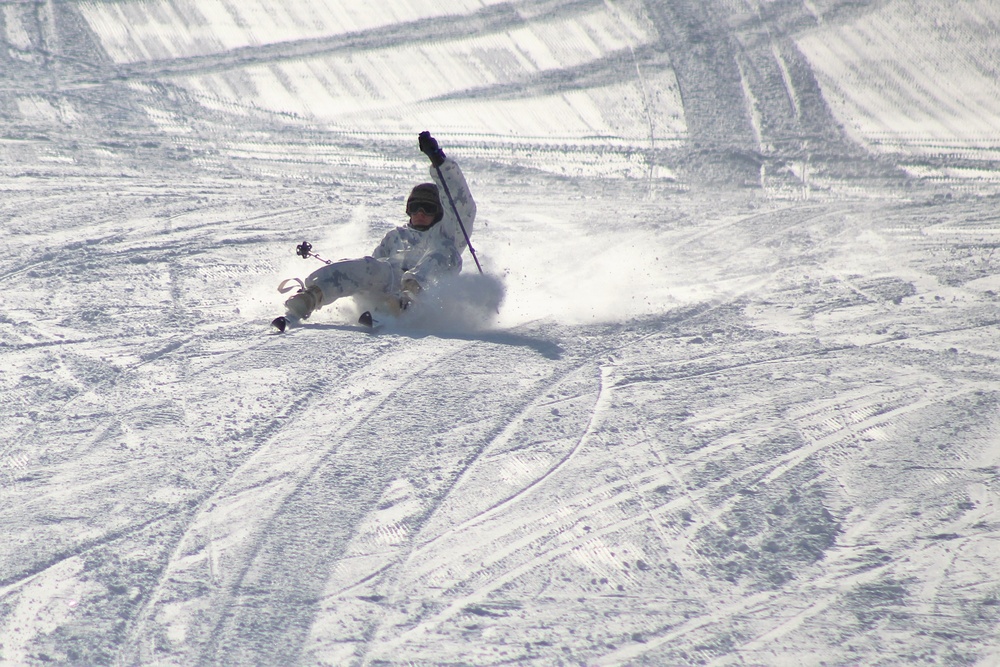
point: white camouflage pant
(366, 276)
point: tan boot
(411, 288)
(304, 302)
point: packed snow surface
(739, 405)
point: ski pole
(458, 217)
(304, 250)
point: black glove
(429, 147)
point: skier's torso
(405, 246)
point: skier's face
(421, 219)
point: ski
(371, 322)
(280, 323)
(367, 322)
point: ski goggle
(427, 207)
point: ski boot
(299, 307)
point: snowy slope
(740, 406)
(915, 77)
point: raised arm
(451, 181)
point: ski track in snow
(283, 501)
(740, 406)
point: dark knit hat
(426, 193)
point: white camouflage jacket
(423, 255)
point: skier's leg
(334, 281)
(350, 277)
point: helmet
(425, 193)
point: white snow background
(739, 407)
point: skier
(410, 258)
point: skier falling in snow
(409, 258)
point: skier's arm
(449, 174)
(459, 207)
